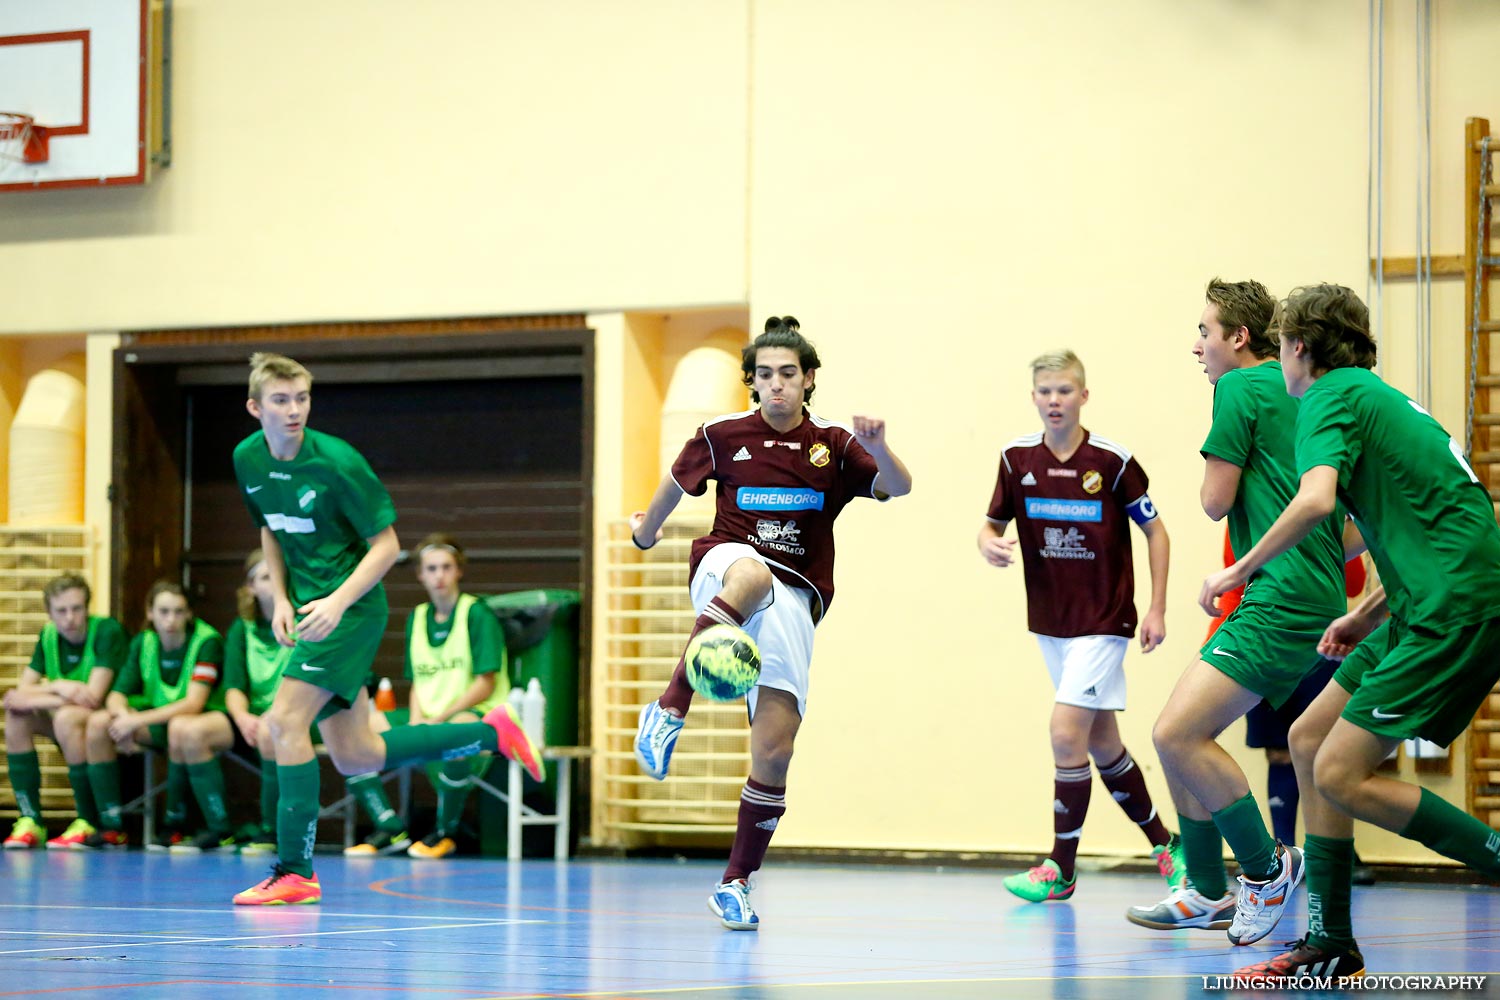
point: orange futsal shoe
(282, 888)
(514, 742)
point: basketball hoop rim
(14, 123)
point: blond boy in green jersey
(327, 527)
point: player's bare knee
(98, 726)
(182, 736)
(747, 584)
(1302, 743)
(17, 721)
(772, 757)
(1169, 738)
(352, 760)
(1336, 781)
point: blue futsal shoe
(731, 904)
(656, 738)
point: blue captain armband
(1142, 511)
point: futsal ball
(723, 662)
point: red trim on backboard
(139, 177)
(140, 129)
(49, 38)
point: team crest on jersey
(819, 454)
(1093, 481)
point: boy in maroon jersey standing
(783, 475)
(1073, 495)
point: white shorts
(1087, 670)
(782, 627)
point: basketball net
(22, 140)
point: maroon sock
(1128, 786)
(1070, 804)
(679, 693)
(761, 806)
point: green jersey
(104, 645)
(443, 658)
(1429, 523)
(163, 675)
(1254, 427)
(321, 505)
(254, 662)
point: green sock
(1330, 881)
(268, 795)
(83, 794)
(178, 785)
(370, 791)
(1245, 831)
(1203, 846)
(1454, 834)
(297, 816)
(452, 786)
(449, 741)
(208, 789)
(104, 779)
(26, 780)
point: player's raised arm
(893, 480)
(648, 523)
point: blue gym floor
(138, 925)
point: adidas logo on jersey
(1028, 480)
(743, 455)
(1090, 692)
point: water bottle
(385, 697)
(516, 697)
(534, 712)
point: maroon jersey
(777, 492)
(1073, 522)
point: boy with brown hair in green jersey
(69, 675)
(327, 528)
(1430, 527)
(1266, 646)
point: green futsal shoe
(1042, 883)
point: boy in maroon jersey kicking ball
(766, 566)
(1072, 495)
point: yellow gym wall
(938, 191)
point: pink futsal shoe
(514, 742)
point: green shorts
(1266, 650)
(341, 662)
(1407, 682)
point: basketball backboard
(93, 74)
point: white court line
(269, 937)
(220, 909)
